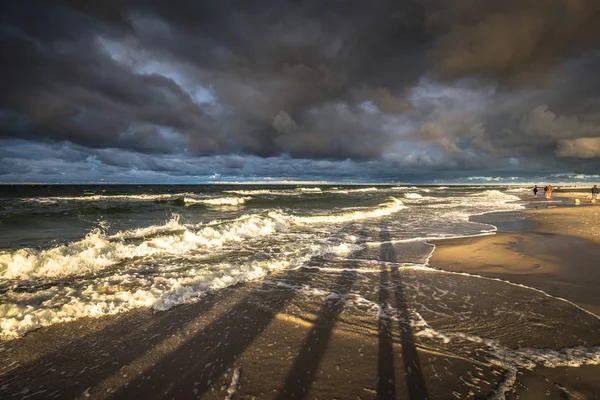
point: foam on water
(390, 207)
(185, 198)
(448, 236)
(404, 188)
(121, 292)
(99, 198)
(154, 266)
(173, 225)
(261, 192)
(98, 251)
(362, 190)
(235, 382)
(427, 268)
(478, 348)
(219, 201)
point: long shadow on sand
(190, 371)
(415, 382)
(304, 368)
(89, 358)
(386, 385)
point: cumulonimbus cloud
(579, 148)
(316, 79)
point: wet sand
(349, 329)
(559, 253)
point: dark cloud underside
(418, 87)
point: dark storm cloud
(519, 40)
(421, 84)
(98, 76)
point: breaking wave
(98, 251)
(219, 201)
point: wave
(117, 293)
(181, 199)
(404, 188)
(98, 251)
(362, 190)
(413, 196)
(219, 201)
(495, 196)
(117, 197)
(387, 208)
(309, 190)
(260, 192)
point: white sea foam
(173, 225)
(390, 207)
(361, 190)
(219, 201)
(489, 351)
(186, 198)
(235, 382)
(511, 359)
(446, 236)
(261, 192)
(426, 268)
(97, 251)
(24, 311)
(404, 188)
(309, 190)
(495, 195)
(97, 198)
(412, 195)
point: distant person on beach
(535, 190)
(550, 189)
(595, 192)
(546, 191)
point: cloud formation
(581, 148)
(410, 88)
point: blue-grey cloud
(411, 88)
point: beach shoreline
(538, 242)
(345, 331)
(555, 249)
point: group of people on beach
(547, 191)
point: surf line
(424, 267)
(429, 268)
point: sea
(69, 252)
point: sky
(197, 91)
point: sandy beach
(558, 253)
(357, 332)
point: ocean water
(68, 252)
